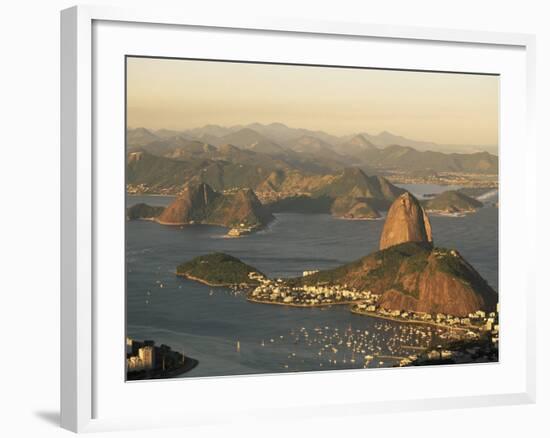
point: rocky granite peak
(406, 222)
(200, 204)
(190, 205)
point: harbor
(207, 322)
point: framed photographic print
(264, 208)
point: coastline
(151, 194)
(206, 282)
(225, 236)
(359, 218)
(406, 321)
(461, 213)
(277, 303)
(188, 364)
(149, 219)
(175, 224)
(351, 305)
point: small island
(452, 202)
(219, 269)
(239, 210)
(200, 204)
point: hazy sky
(439, 107)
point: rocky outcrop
(199, 204)
(190, 206)
(406, 222)
(446, 284)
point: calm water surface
(207, 323)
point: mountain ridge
(315, 148)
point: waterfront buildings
(140, 357)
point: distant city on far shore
(286, 218)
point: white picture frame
(83, 388)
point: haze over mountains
(284, 136)
(278, 147)
(239, 177)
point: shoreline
(359, 218)
(189, 363)
(461, 213)
(277, 303)
(206, 282)
(351, 304)
(406, 321)
(211, 224)
(148, 219)
(151, 194)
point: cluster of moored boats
(385, 344)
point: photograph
(288, 218)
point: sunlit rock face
(406, 222)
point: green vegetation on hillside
(401, 268)
(350, 207)
(452, 201)
(369, 269)
(404, 276)
(161, 173)
(217, 269)
(410, 159)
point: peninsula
(219, 269)
(407, 274)
(145, 360)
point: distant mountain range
(348, 193)
(277, 146)
(284, 135)
(163, 174)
